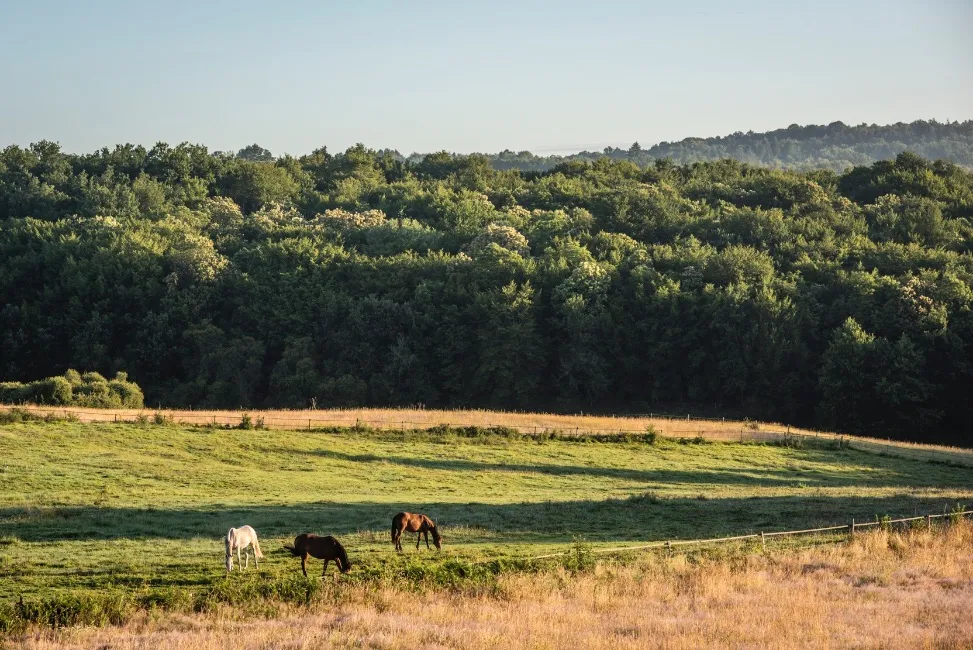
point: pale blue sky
(470, 76)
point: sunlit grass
(105, 506)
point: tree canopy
(359, 278)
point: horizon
(475, 78)
(537, 152)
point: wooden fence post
(928, 523)
(309, 424)
(852, 528)
(763, 541)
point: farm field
(103, 508)
(883, 590)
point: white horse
(242, 538)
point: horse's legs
(256, 562)
(238, 560)
(304, 564)
(324, 569)
(426, 533)
(246, 558)
(418, 539)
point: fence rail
(671, 427)
(668, 544)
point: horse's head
(437, 539)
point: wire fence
(708, 429)
(852, 528)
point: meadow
(883, 590)
(101, 523)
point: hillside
(836, 146)
(120, 508)
(841, 302)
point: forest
(836, 146)
(838, 300)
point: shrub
(956, 514)
(90, 389)
(651, 435)
(580, 559)
(128, 393)
(13, 392)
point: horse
(323, 548)
(415, 523)
(242, 538)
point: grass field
(120, 508)
(883, 590)
(531, 423)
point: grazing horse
(415, 523)
(242, 538)
(322, 548)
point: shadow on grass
(635, 518)
(863, 469)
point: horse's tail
(256, 548)
(228, 558)
(293, 550)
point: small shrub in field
(957, 513)
(16, 415)
(885, 523)
(162, 419)
(651, 435)
(246, 422)
(580, 559)
(142, 419)
(260, 424)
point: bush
(74, 389)
(54, 390)
(651, 435)
(13, 392)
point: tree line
(836, 146)
(838, 300)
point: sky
(422, 76)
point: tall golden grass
(882, 590)
(713, 429)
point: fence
(671, 427)
(852, 529)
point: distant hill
(836, 146)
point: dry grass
(884, 590)
(713, 429)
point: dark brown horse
(414, 523)
(322, 548)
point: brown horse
(414, 523)
(322, 548)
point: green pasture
(89, 508)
